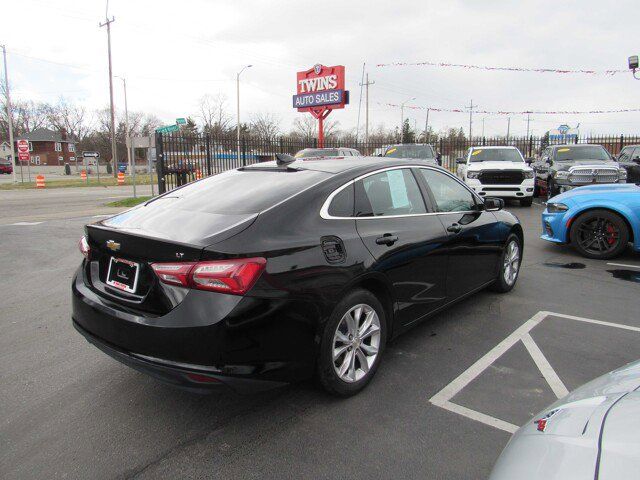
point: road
(69, 411)
(61, 203)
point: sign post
(24, 156)
(320, 90)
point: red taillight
(201, 378)
(173, 273)
(235, 276)
(83, 245)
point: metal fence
(184, 158)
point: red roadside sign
(23, 150)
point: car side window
(392, 192)
(448, 193)
(635, 155)
(625, 154)
(342, 203)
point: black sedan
(272, 273)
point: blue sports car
(597, 220)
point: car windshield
(410, 151)
(496, 155)
(582, 152)
(318, 152)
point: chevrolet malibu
(276, 272)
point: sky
(174, 52)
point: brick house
(48, 147)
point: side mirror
(460, 160)
(438, 156)
(492, 204)
(529, 160)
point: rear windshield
(241, 192)
(410, 151)
(317, 152)
(496, 155)
(582, 152)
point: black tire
(526, 202)
(599, 234)
(327, 374)
(501, 285)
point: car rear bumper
(522, 190)
(235, 340)
(195, 378)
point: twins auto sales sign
(320, 88)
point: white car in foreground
(497, 172)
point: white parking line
(443, 397)
(545, 367)
(623, 265)
(22, 224)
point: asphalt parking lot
(442, 404)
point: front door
(405, 241)
(473, 235)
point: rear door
(474, 238)
(394, 222)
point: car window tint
(449, 195)
(625, 154)
(342, 203)
(394, 192)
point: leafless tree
(264, 125)
(71, 118)
(306, 128)
(212, 111)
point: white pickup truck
(497, 172)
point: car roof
(484, 147)
(565, 145)
(335, 165)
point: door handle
(454, 228)
(387, 239)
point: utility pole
(9, 116)
(426, 127)
(528, 120)
(366, 108)
(127, 141)
(470, 118)
(238, 112)
(508, 127)
(483, 126)
(114, 158)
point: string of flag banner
(504, 69)
(532, 112)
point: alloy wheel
(356, 343)
(511, 263)
(598, 236)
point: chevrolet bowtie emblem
(113, 245)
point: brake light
(173, 273)
(83, 245)
(235, 276)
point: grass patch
(128, 202)
(105, 181)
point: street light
(633, 65)
(402, 118)
(238, 99)
(127, 138)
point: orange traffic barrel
(120, 178)
(40, 181)
(83, 174)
